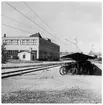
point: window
(14, 42)
(23, 42)
(34, 42)
(28, 41)
(24, 56)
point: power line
(16, 28)
(38, 16)
(20, 30)
(32, 21)
(18, 21)
(28, 18)
(74, 44)
(22, 23)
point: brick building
(31, 48)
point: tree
(3, 53)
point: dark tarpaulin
(79, 56)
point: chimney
(4, 35)
(49, 40)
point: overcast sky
(67, 20)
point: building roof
(79, 56)
(33, 36)
(36, 35)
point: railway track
(14, 67)
(26, 69)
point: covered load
(82, 65)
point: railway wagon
(80, 66)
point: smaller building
(24, 55)
(27, 55)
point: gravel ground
(49, 86)
(74, 95)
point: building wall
(24, 56)
(13, 54)
(21, 44)
(42, 48)
(48, 50)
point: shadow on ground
(97, 70)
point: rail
(27, 70)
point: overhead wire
(29, 18)
(16, 28)
(41, 20)
(74, 44)
(18, 22)
(38, 16)
(31, 21)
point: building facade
(31, 48)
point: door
(34, 55)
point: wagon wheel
(81, 70)
(84, 70)
(62, 70)
(74, 70)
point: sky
(65, 21)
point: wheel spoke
(62, 71)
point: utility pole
(75, 43)
(92, 48)
(31, 53)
